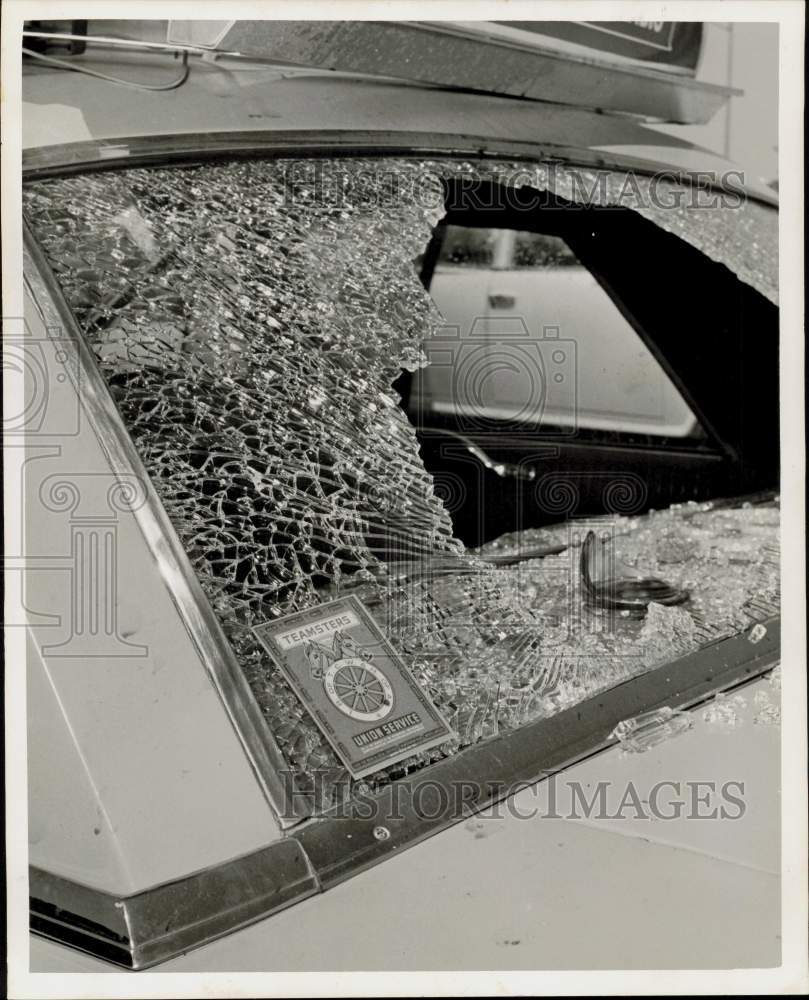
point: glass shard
(642, 732)
(725, 710)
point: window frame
(320, 845)
(179, 150)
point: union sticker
(354, 684)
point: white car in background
(497, 289)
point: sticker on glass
(354, 684)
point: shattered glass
(250, 318)
(727, 227)
(726, 710)
(251, 350)
(768, 701)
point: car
(517, 273)
(402, 444)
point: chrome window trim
(154, 925)
(317, 851)
(170, 559)
(59, 160)
(197, 614)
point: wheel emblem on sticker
(354, 684)
(358, 689)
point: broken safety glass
(250, 318)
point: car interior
(720, 333)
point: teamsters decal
(354, 684)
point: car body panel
(620, 385)
(128, 698)
(227, 97)
(529, 891)
(230, 103)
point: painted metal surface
(70, 831)
(229, 105)
(342, 843)
(528, 891)
(155, 760)
(231, 95)
(168, 559)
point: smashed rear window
(250, 319)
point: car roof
(237, 97)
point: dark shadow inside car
(558, 320)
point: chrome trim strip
(67, 935)
(162, 922)
(134, 151)
(174, 917)
(195, 611)
(82, 907)
(340, 845)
